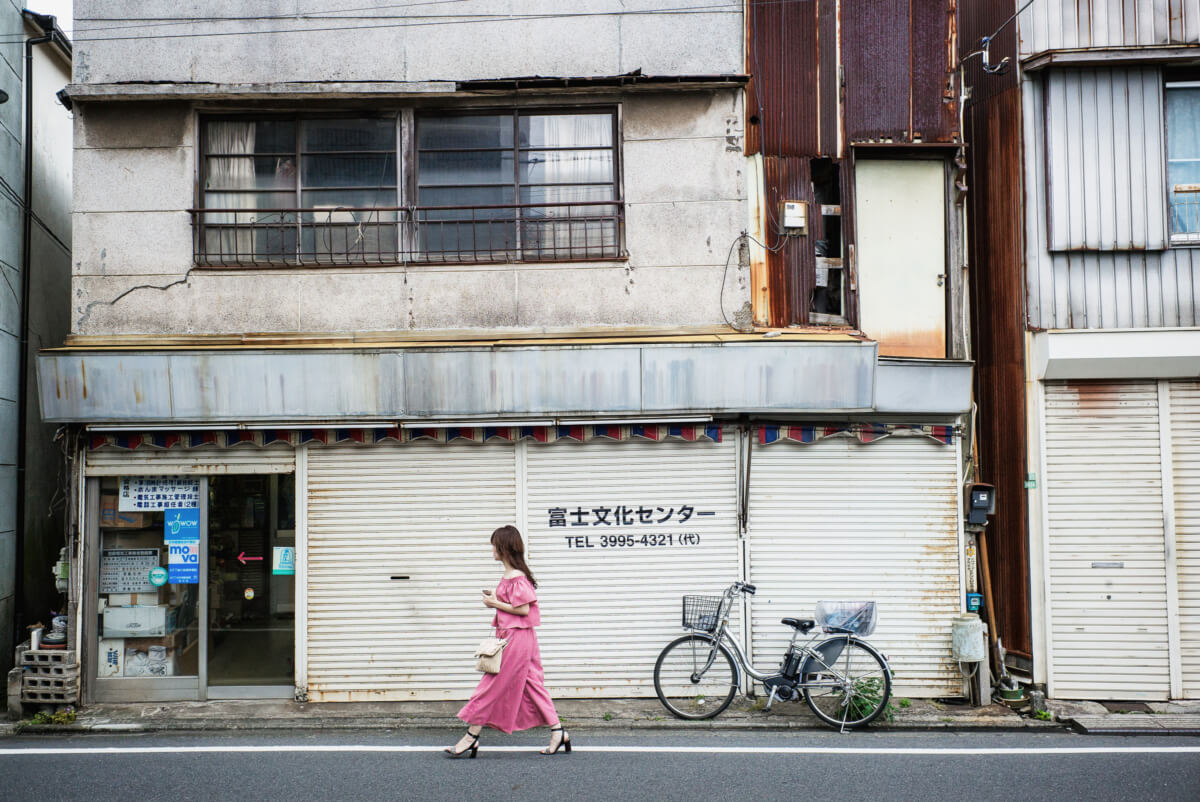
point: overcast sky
(59, 8)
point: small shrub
(904, 703)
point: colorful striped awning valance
(478, 434)
(863, 432)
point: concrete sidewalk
(616, 714)
(1116, 718)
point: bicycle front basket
(856, 617)
(701, 612)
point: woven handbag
(487, 655)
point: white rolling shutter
(279, 458)
(425, 511)
(1185, 446)
(839, 519)
(608, 610)
(1107, 572)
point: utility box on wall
(981, 502)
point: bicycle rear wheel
(695, 677)
(849, 685)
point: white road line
(689, 750)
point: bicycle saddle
(804, 625)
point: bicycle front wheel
(695, 677)
(847, 684)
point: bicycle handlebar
(743, 587)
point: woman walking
(516, 698)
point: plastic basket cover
(858, 617)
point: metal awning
(645, 380)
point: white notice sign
(127, 570)
(142, 493)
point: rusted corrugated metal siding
(829, 100)
(897, 76)
(975, 21)
(781, 55)
(993, 128)
(877, 55)
(790, 270)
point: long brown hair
(510, 547)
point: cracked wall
(685, 191)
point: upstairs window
(302, 190)
(539, 186)
(1183, 160)
(485, 187)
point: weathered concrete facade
(685, 194)
(397, 42)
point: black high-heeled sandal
(470, 750)
(564, 744)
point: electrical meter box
(981, 502)
(795, 217)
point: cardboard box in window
(133, 599)
(135, 622)
(114, 518)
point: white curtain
(228, 172)
(567, 238)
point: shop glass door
(147, 606)
(251, 586)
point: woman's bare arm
(490, 600)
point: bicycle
(844, 680)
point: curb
(387, 725)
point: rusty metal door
(900, 229)
(1185, 458)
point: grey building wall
(685, 191)
(11, 68)
(1099, 201)
(268, 41)
(50, 277)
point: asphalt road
(663, 766)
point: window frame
(1176, 239)
(407, 184)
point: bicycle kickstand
(771, 700)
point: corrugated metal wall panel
(609, 610)
(844, 520)
(1185, 449)
(781, 58)
(1107, 571)
(877, 55)
(1105, 289)
(1105, 157)
(1065, 24)
(997, 298)
(420, 510)
(182, 461)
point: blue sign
(181, 525)
(283, 561)
(183, 562)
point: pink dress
(516, 698)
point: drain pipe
(51, 33)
